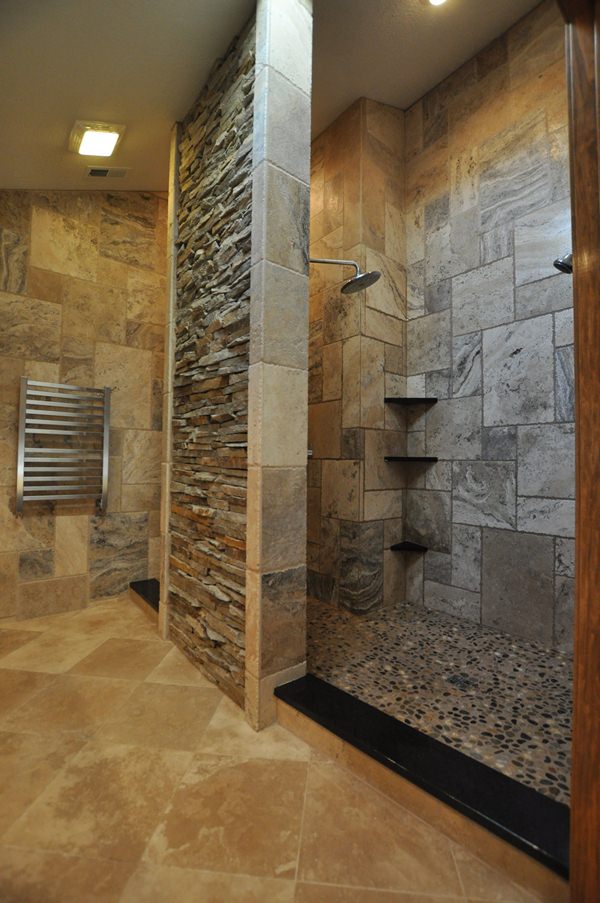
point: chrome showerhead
(564, 264)
(360, 281)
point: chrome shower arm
(345, 263)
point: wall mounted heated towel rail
(63, 443)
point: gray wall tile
(517, 373)
(466, 557)
(484, 494)
(454, 428)
(555, 517)
(466, 364)
(429, 343)
(518, 584)
(428, 518)
(499, 443)
(483, 297)
(564, 383)
(547, 460)
(453, 601)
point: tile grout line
(302, 818)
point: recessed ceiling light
(436, 2)
(95, 139)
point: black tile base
(518, 814)
(148, 590)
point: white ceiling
(143, 62)
(394, 51)
(139, 62)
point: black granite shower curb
(518, 814)
(148, 590)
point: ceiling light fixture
(436, 2)
(95, 139)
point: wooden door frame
(583, 82)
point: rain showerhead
(358, 282)
(564, 264)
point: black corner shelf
(408, 546)
(406, 402)
(419, 458)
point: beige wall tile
(9, 567)
(277, 428)
(141, 456)
(372, 383)
(341, 489)
(30, 328)
(127, 372)
(332, 371)
(62, 244)
(51, 596)
(324, 429)
(75, 303)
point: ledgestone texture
(210, 397)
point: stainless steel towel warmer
(63, 443)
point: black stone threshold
(148, 590)
(518, 814)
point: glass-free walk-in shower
(441, 410)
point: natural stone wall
(82, 301)
(468, 212)
(491, 334)
(357, 358)
(210, 386)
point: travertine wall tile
(92, 289)
(278, 384)
(463, 205)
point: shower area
(441, 409)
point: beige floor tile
(16, 687)
(104, 804)
(113, 618)
(52, 652)
(175, 668)
(125, 659)
(32, 876)
(28, 762)
(13, 639)
(229, 734)
(327, 893)
(70, 703)
(157, 884)
(354, 836)
(480, 882)
(161, 715)
(234, 815)
(37, 625)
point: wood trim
(571, 9)
(583, 33)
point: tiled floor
(125, 776)
(504, 701)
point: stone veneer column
(278, 402)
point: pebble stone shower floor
(503, 701)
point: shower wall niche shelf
(419, 458)
(63, 443)
(406, 402)
(408, 546)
